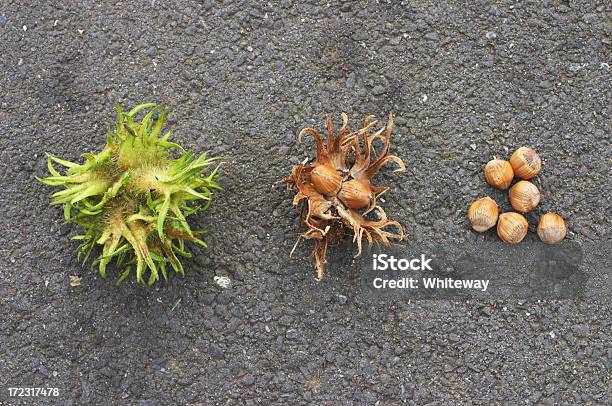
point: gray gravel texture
(467, 81)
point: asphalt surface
(467, 81)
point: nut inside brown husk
(331, 210)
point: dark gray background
(466, 81)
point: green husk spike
(133, 198)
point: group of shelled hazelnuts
(512, 227)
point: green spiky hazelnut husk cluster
(133, 197)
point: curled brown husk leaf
(327, 218)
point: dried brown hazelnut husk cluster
(336, 193)
(524, 196)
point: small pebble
(248, 380)
(432, 36)
(223, 281)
